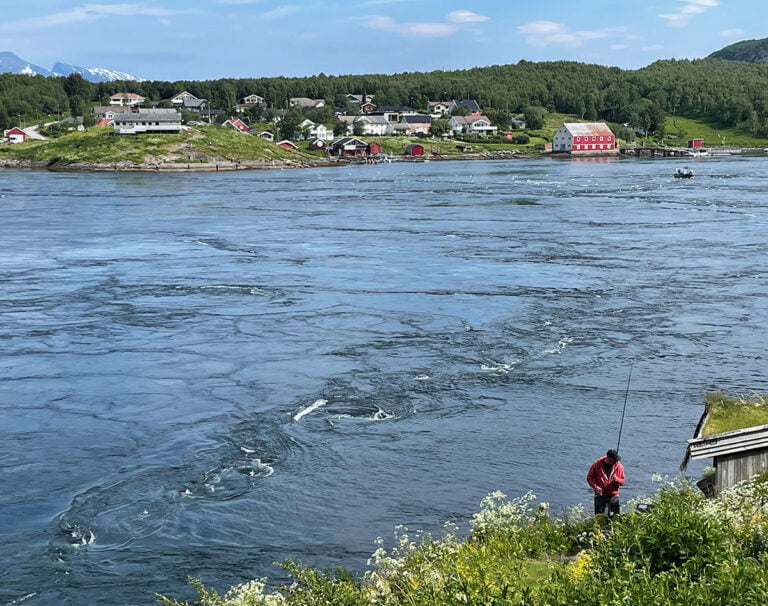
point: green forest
(724, 93)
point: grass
(684, 550)
(102, 146)
(680, 130)
(727, 413)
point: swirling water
(203, 374)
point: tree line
(725, 93)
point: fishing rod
(626, 395)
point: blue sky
(209, 39)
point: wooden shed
(695, 143)
(414, 149)
(737, 455)
(374, 148)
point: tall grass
(684, 550)
(728, 413)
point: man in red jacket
(605, 477)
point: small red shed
(286, 144)
(374, 148)
(414, 149)
(695, 143)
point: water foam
(311, 408)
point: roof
(729, 442)
(470, 119)
(15, 131)
(470, 104)
(238, 124)
(418, 119)
(155, 115)
(581, 129)
(126, 96)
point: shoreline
(237, 165)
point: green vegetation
(726, 94)
(685, 550)
(196, 145)
(752, 51)
(726, 413)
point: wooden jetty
(657, 152)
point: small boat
(683, 173)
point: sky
(210, 39)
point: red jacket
(608, 482)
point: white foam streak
(311, 408)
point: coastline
(236, 165)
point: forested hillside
(727, 93)
(752, 51)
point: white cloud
(688, 10)
(413, 30)
(89, 12)
(379, 2)
(462, 16)
(546, 33)
(618, 46)
(728, 33)
(280, 11)
(652, 47)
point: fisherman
(606, 476)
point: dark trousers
(606, 505)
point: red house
(286, 144)
(695, 143)
(15, 135)
(348, 147)
(374, 149)
(237, 124)
(414, 149)
(590, 137)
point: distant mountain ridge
(750, 51)
(11, 63)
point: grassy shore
(684, 549)
(212, 147)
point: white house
(377, 126)
(181, 97)
(253, 100)
(438, 109)
(126, 99)
(581, 137)
(306, 103)
(316, 131)
(139, 120)
(476, 124)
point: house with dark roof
(348, 147)
(470, 104)
(139, 120)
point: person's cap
(613, 454)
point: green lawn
(730, 413)
(680, 130)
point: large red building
(589, 137)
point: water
(203, 374)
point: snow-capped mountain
(10, 63)
(15, 65)
(94, 74)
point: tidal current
(203, 374)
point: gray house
(147, 121)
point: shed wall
(737, 467)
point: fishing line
(626, 394)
